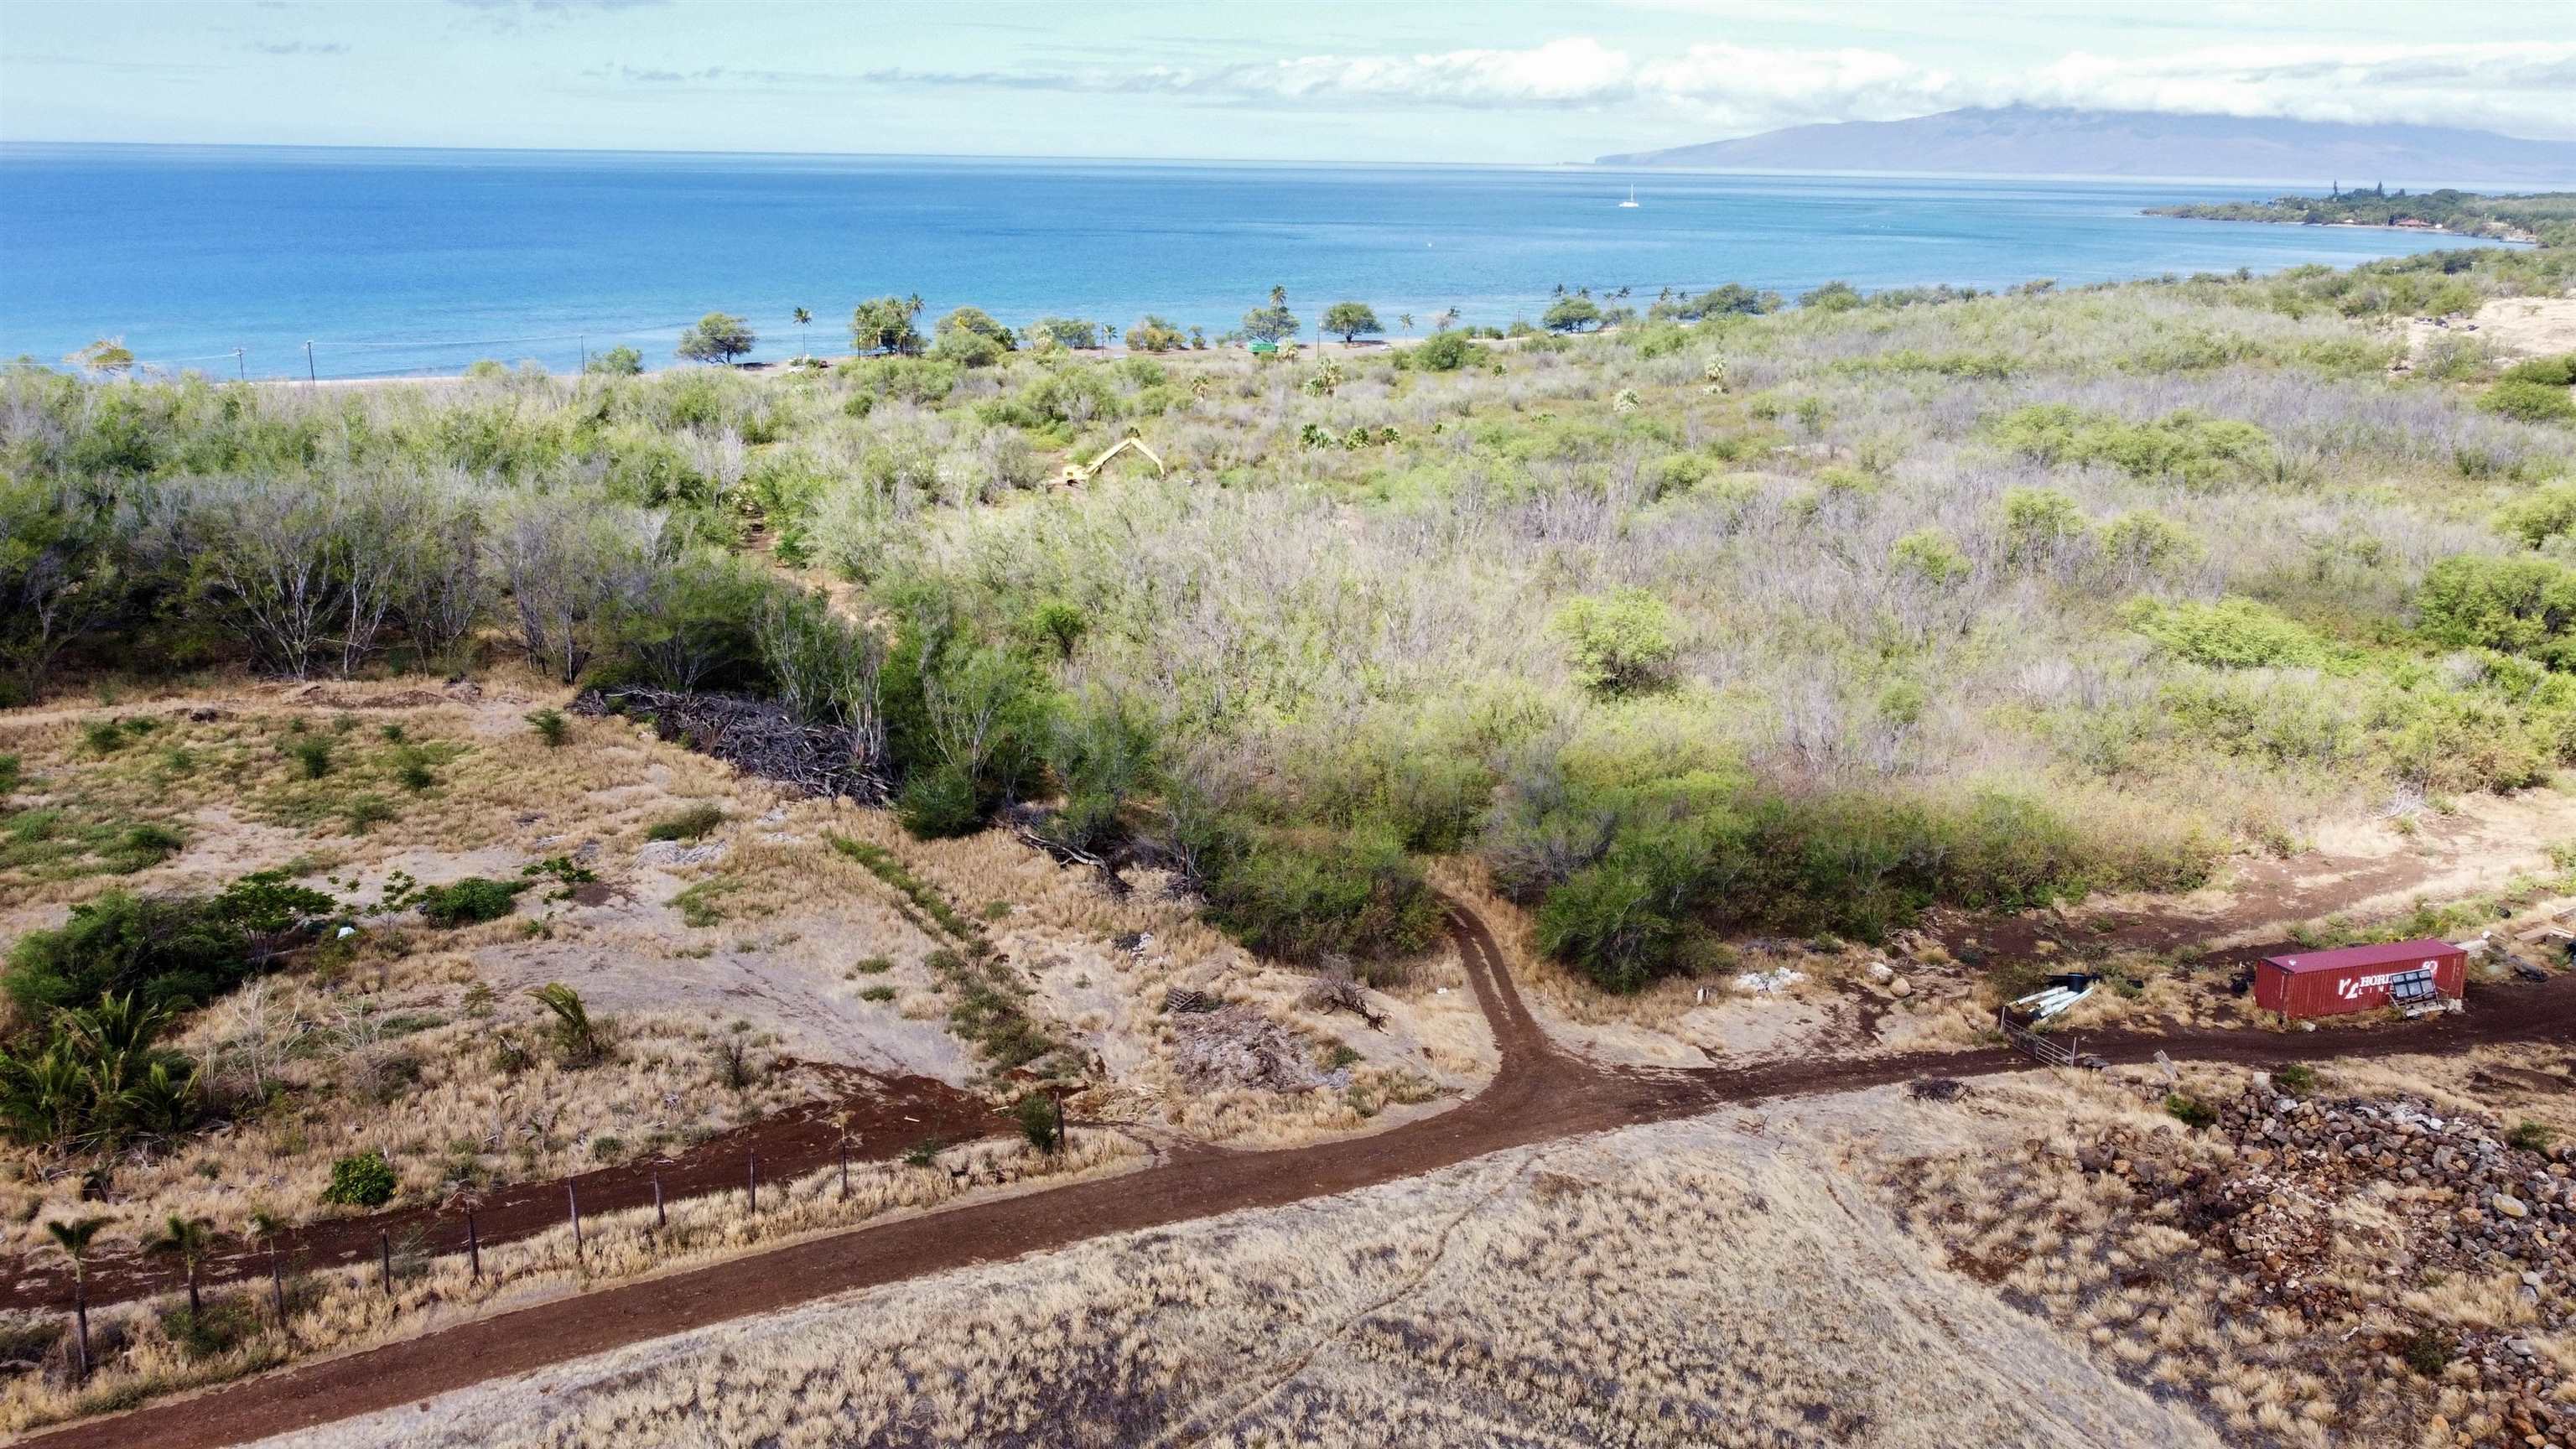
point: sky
(1501, 81)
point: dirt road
(1538, 1093)
(875, 1119)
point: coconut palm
(802, 319)
(1450, 317)
(73, 1240)
(191, 1241)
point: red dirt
(879, 1117)
(1538, 1093)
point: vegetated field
(2549, 216)
(2032, 1260)
(1698, 648)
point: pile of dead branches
(756, 736)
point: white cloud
(1732, 89)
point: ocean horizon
(405, 261)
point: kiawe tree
(1571, 314)
(1273, 323)
(1351, 319)
(717, 337)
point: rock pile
(2451, 1198)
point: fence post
(1059, 1120)
(572, 1200)
(385, 1256)
(751, 1184)
(473, 1249)
(845, 1170)
(661, 1219)
(276, 1285)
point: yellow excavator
(1077, 474)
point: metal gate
(2045, 1050)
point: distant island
(2037, 141)
(2548, 217)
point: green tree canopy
(1351, 319)
(1571, 314)
(717, 337)
(1273, 323)
(885, 325)
(1153, 334)
(1066, 331)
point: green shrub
(940, 802)
(12, 775)
(2189, 1111)
(690, 824)
(1444, 352)
(2428, 1351)
(1036, 1116)
(2297, 1079)
(2513, 605)
(2529, 1136)
(470, 900)
(362, 811)
(1302, 895)
(876, 993)
(2232, 633)
(2147, 543)
(364, 1180)
(1621, 644)
(175, 951)
(104, 737)
(146, 845)
(1931, 555)
(2530, 402)
(551, 727)
(312, 755)
(2183, 446)
(2546, 514)
(2037, 521)
(2559, 372)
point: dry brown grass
(341, 1310)
(1699, 1283)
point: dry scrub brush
(1683, 1284)
(340, 1310)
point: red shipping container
(2356, 978)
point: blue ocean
(392, 262)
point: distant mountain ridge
(2037, 141)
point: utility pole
(585, 352)
(240, 372)
(309, 374)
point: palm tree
(1405, 319)
(73, 1240)
(191, 1241)
(802, 319)
(265, 1226)
(1450, 317)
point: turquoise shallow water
(422, 261)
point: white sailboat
(1631, 201)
